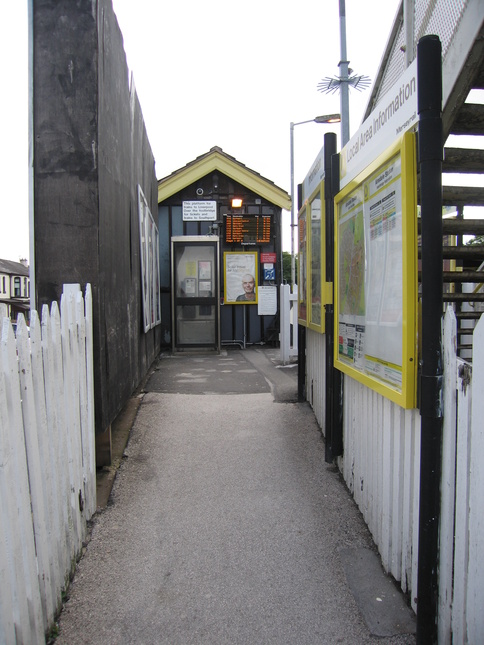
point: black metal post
(333, 412)
(301, 363)
(431, 410)
(301, 335)
(329, 313)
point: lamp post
(327, 118)
(342, 83)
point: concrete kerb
(120, 432)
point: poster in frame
(240, 278)
(302, 268)
(143, 241)
(156, 275)
(150, 262)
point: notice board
(376, 275)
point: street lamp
(327, 118)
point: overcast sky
(212, 73)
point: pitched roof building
(14, 288)
(216, 199)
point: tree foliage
(286, 268)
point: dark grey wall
(91, 150)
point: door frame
(176, 301)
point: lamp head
(328, 118)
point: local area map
(352, 265)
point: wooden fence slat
(398, 486)
(23, 572)
(57, 458)
(75, 396)
(35, 473)
(446, 554)
(475, 586)
(407, 506)
(416, 507)
(90, 429)
(45, 447)
(65, 465)
(387, 486)
(375, 467)
(84, 441)
(70, 403)
(362, 479)
(7, 574)
(461, 548)
(380, 489)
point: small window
(16, 287)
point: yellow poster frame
(318, 327)
(302, 267)
(405, 396)
(247, 264)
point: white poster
(267, 305)
(199, 211)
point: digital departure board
(244, 229)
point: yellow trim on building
(217, 160)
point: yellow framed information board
(315, 260)
(376, 275)
(312, 292)
(302, 259)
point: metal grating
(395, 66)
(441, 17)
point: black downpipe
(430, 151)
(301, 335)
(338, 377)
(301, 363)
(329, 314)
(334, 400)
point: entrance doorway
(195, 292)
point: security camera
(199, 191)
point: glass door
(195, 289)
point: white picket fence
(47, 461)
(381, 466)
(461, 566)
(288, 323)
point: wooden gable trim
(216, 161)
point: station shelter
(220, 254)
